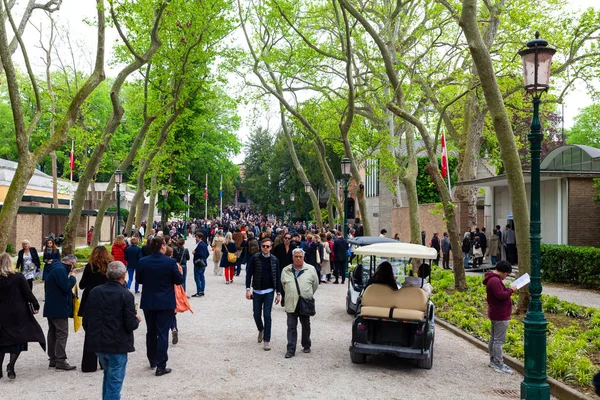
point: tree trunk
(151, 203)
(138, 213)
(330, 211)
(28, 160)
(410, 184)
(54, 180)
(504, 133)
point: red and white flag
(72, 155)
(444, 156)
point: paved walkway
(217, 357)
(587, 298)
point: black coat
(110, 320)
(159, 275)
(17, 324)
(340, 250)
(133, 254)
(231, 248)
(284, 258)
(59, 291)
(34, 258)
(311, 254)
(90, 279)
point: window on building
(372, 178)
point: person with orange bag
(181, 301)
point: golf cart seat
(381, 301)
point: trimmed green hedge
(571, 264)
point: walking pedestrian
(19, 326)
(263, 283)
(326, 261)
(217, 246)
(118, 249)
(299, 280)
(446, 246)
(133, 255)
(229, 249)
(182, 256)
(200, 261)
(494, 248)
(94, 274)
(466, 248)
(51, 253)
(58, 308)
(435, 243)
(28, 262)
(109, 322)
(510, 241)
(499, 310)
(158, 273)
(340, 250)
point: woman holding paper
(499, 310)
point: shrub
(571, 264)
(10, 248)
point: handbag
(306, 307)
(76, 303)
(477, 252)
(231, 257)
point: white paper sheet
(521, 281)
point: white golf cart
(397, 322)
(359, 277)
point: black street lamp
(282, 211)
(118, 181)
(537, 59)
(292, 198)
(163, 222)
(346, 169)
(307, 189)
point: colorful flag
(206, 188)
(72, 156)
(444, 156)
(221, 187)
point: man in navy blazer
(158, 274)
(340, 250)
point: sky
(73, 13)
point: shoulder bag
(306, 307)
(231, 257)
(76, 303)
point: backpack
(253, 247)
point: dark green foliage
(426, 190)
(124, 212)
(571, 264)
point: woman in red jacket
(499, 310)
(118, 249)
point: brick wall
(430, 223)
(584, 213)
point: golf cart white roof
(398, 250)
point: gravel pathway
(218, 357)
(587, 298)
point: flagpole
(72, 165)
(221, 196)
(206, 199)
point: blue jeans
(184, 268)
(264, 303)
(466, 260)
(199, 278)
(114, 374)
(137, 285)
(494, 260)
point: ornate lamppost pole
(282, 211)
(346, 174)
(537, 59)
(185, 201)
(118, 181)
(306, 192)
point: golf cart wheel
(348, 309)
(427, 363)
(358, 358)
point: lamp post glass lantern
(163, 223)
(118, 181)
(307, 189)
(537, 59)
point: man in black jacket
(263, 281)
(340, 250)
(109, 322)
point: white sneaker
(503, 368)
(267, 346)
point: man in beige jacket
(308, 283)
